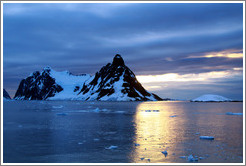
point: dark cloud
(152, 38)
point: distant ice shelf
(211, 98)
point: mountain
(114, 82)
(6, 95)
(211, 98)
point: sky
(176, 50)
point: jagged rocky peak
(38, 86)
(116, 82)
(118, 60)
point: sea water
(122, 132)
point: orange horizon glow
(175, 77)
(225, 54)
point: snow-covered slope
(211, 97)
(71, 84)
(114, 82)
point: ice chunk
(173, 116)
(112, 147)
(96, 139)
(155, 110)
(231, 113)
(148, 160)
(137, 144)
(80, 143)
(182, 157)
(119, 112)
(147, 110)
(60, 106)
(142, 158)
(201, 158)
(100, 110)
(191, 158)
(165, 153)
(62, 114)
(207, 137)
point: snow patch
(68, 82)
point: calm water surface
(82, 132)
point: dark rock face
(38, 86)
(5, 94)
(105, 82)
(113, 82)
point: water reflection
(154, 132)
(176, 128)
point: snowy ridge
(211, 98)
(71, 84)
(114, 82)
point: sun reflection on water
(154, 132)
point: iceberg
(211, 98)
(207, 137)
(231, 113)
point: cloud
(153, 38)
(200, 77)
(225, 53)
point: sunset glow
(225, 54)
(175, 77)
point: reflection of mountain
(114, 82)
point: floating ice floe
(165, 153)
(147, 110)
(191, 158)
(60, 106)
(207, 137)
(182, 157)
(142, 158)
(156, 111)
(173, 116)
(80, 143)
(62, 114)
(96, 139)
(201, 158)
(137, 144)
(112, 147)
(231, 113)
(100, 110)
